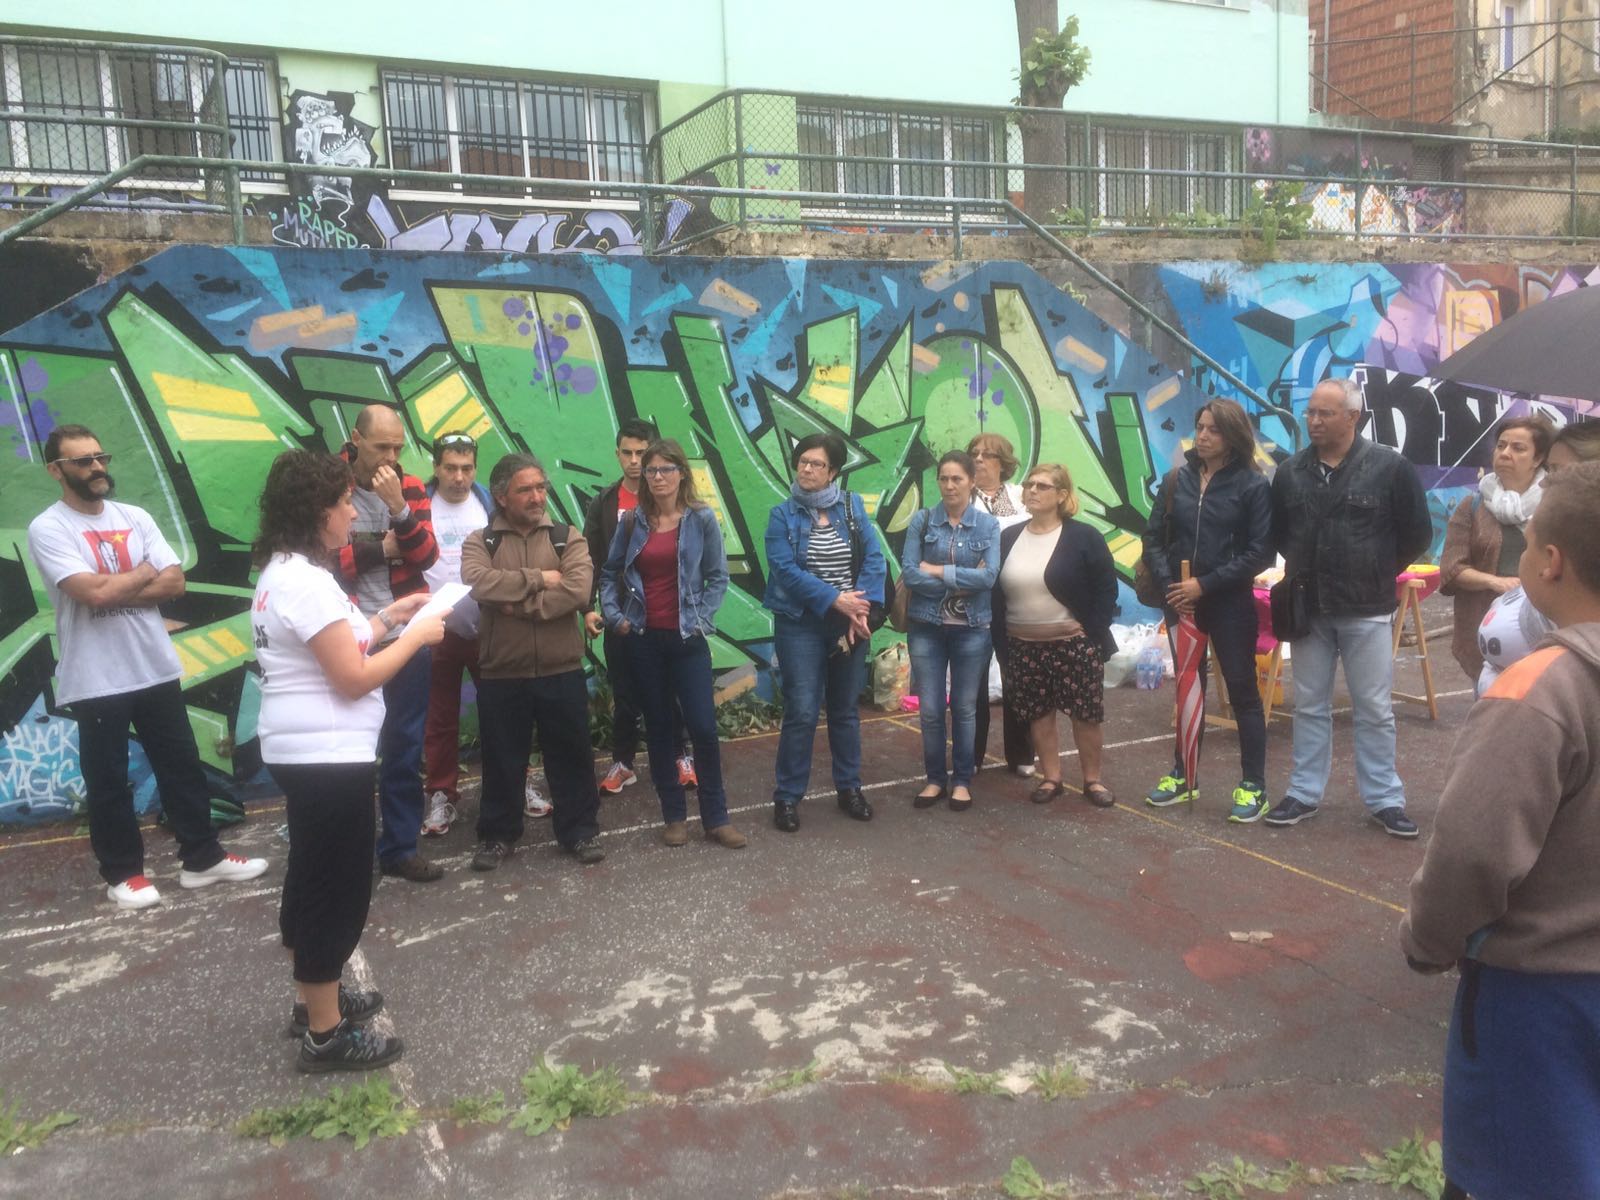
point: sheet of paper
(443, 600)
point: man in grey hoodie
(1508, 889)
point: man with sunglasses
(107, 567)
(391, 546)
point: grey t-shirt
(372, 522)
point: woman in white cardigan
(995, 460)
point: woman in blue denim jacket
(825, 575)
(663, 580)
(950, 560)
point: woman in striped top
(825, 577)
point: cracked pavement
(1000, 941)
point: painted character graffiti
(325, 133)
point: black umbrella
(1549, 349)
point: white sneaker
(134, 892)
(440, 814)
(533, 801)
(231, 868)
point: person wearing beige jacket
(531, 578)
(1508, 890)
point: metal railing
(754, 158)
(1515, 79)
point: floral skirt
(1065, 675)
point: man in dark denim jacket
(1351, 515)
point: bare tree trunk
(1044, 135)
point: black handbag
(1145, 588)
(1291, 607)
(877, 612)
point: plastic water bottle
(1149, 669)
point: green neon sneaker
(1171, 790)
(1249, 802)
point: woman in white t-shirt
(321, 709)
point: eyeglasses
(977, 454)
(1039, 485)
(84, 461)
(661, 472)
(455, 439)
(813, 464)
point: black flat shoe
(921, 801)
(960, 805)
(786, 816)
(854, 805)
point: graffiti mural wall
(197, 367)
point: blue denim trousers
(405, 721)
(811, 678)
(1366, 647)
(964, 652)
(667, 667)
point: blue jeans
(405, 721)
(809, 677)
(668, 666)
(1366, 648)
(964, 652)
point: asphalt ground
(1002, 940)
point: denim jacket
(977, 562)
(793, 591)
(702, 574)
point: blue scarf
(818, 501)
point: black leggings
(1229, 619)
(328, 883)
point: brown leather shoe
(415, 869)
(676, 833)
(727, 835)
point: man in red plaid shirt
(391, 545)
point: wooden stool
(1411, 604)
(1220, 713)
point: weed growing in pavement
(17, 1134)
(553, 1096)
(1414, 1163)
(479, 1110)
(361, 1111)
(1218, 1182)
(974, 1083)
(799, 1077)
(1022, 1181)
(1052, 1083)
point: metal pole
(1361, 170)
(738, 156)
(647, 221)
(958, 229)
(1572, 203)
(1555, 98)
(1413, 72)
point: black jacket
(599, 526)
(1356, 532)
(1226, 534)
(1080, 574)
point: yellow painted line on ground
(1266, 858)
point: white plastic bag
(1131, 641)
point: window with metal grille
(252, 92)
(1130, 193)
(521, 129)
(161, 92)
(932, 142)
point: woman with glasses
(825, 576)
(949, 564)
(995, 461)
(1053, 606)
(1216, 511)
(662, 583)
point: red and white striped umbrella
(1188, 663)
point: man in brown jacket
(531, 578)
(1509, 892)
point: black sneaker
(356, 1007)
(348, 1048)
(491, 854)
(1290, 812)
(588, 851)
(1395, 822)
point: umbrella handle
(1185, 571)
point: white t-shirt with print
(303, 719)
(452, 522)
(105, 651)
